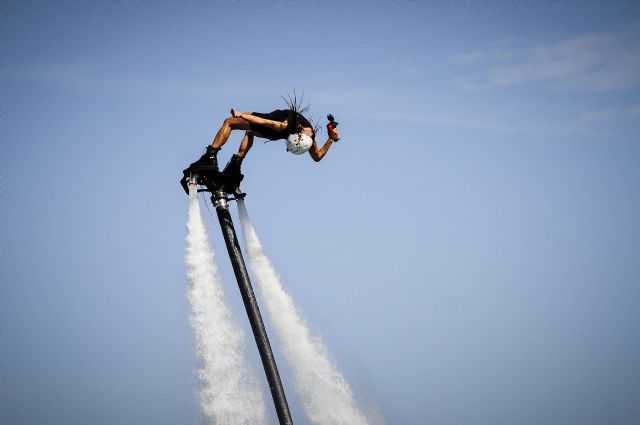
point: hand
(333, 135)
(235, 113)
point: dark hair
(296, 104)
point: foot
(208, 161)
(233, 166)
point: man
(286, 124)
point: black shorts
(268, 132)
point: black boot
(233, 166)
(208, 161)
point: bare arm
(318, 154)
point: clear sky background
(470, 250)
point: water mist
(230, 394)
(326, 396)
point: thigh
(238, 123)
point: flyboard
(224, 188)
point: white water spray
(230, 395)
(325, 393)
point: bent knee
(236, 123)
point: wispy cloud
(494, 125)
(90, 78)
(598, 116)
(634, 111)
(606, 115)
(595, 62)
(87, 77)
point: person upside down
(281, 124)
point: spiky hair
(297, 104)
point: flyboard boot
(208, 161)
(207, 164)
(233, 166)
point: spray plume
(229, 393)
(326, 396)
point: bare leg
(248, 116)
(245, 145)
(225, 131)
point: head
(297, 104)
(299, 143)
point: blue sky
(469, 250)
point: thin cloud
(634, 111)
(595, 62)
(598, 116)
(497, 51)
(88, 77)
(609, 115)
(467, 121)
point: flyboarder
(286, 124)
